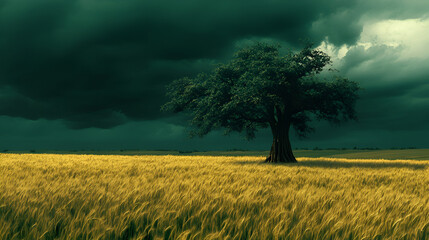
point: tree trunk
(281, 150)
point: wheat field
(53, 196)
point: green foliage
(259, 88)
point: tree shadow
(341, 164)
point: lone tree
(259, 88)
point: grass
(53, 196)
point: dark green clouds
(396, 89)
(99, 63)
(105, 63)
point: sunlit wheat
(47, 196)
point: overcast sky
(91, 74)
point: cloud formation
(97, 64)
(102, 64)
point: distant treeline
(358, 148)
(194, 151)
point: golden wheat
(47, 196)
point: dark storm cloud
(393, 110)
(23, 134)
(101, 63)
(395, 89)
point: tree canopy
(260, 88)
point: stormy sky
(91, 74)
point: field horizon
(363, 153)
